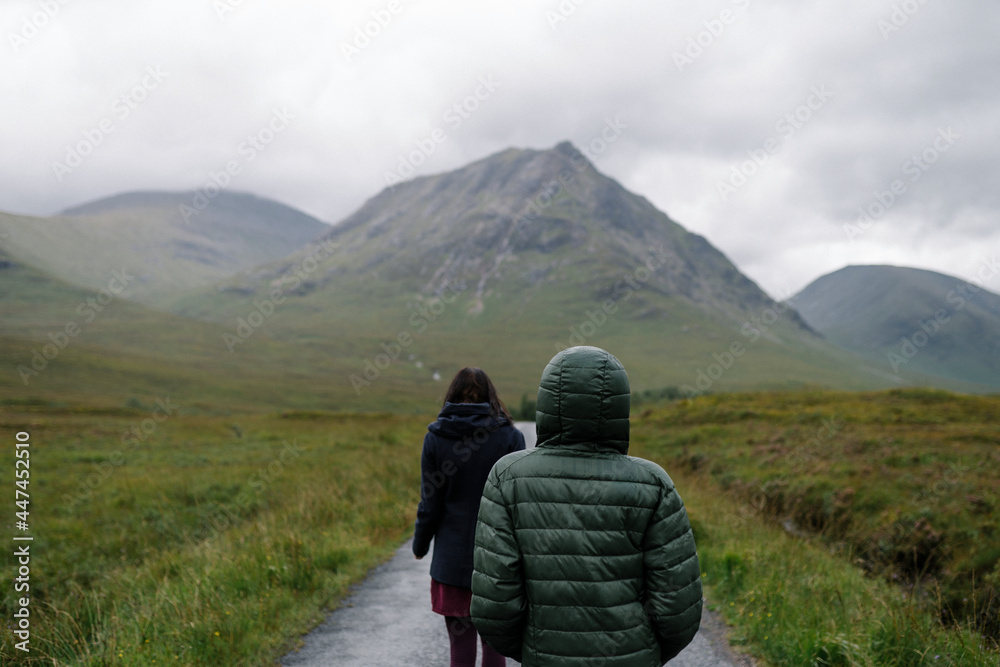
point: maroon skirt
(449, 600)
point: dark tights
(463, 636)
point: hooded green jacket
(584, 555)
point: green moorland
(843, 528)
(211, 540)
(206, 539)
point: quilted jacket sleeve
(430, 511)
(673, 578)
(498, 595)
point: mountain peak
(520, 218)
(568, 149)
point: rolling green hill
(909, 320)
(165, 247)
(62, 344)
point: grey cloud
(687, 126)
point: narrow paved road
(387, 622)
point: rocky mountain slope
(506, 260)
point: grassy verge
(212, 540)
(805, 571)
(793, 602)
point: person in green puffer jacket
(584, 555)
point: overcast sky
(764, 126)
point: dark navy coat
(460, 449)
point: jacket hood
(583, 401)
(457, 420)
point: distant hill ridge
(906, 319)
(147, 234)
(242, 203)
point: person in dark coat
(584, 555)
(472, 432)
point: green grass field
(216, 540)
(220, 538)
(843, 528)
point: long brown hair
(473, 385)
